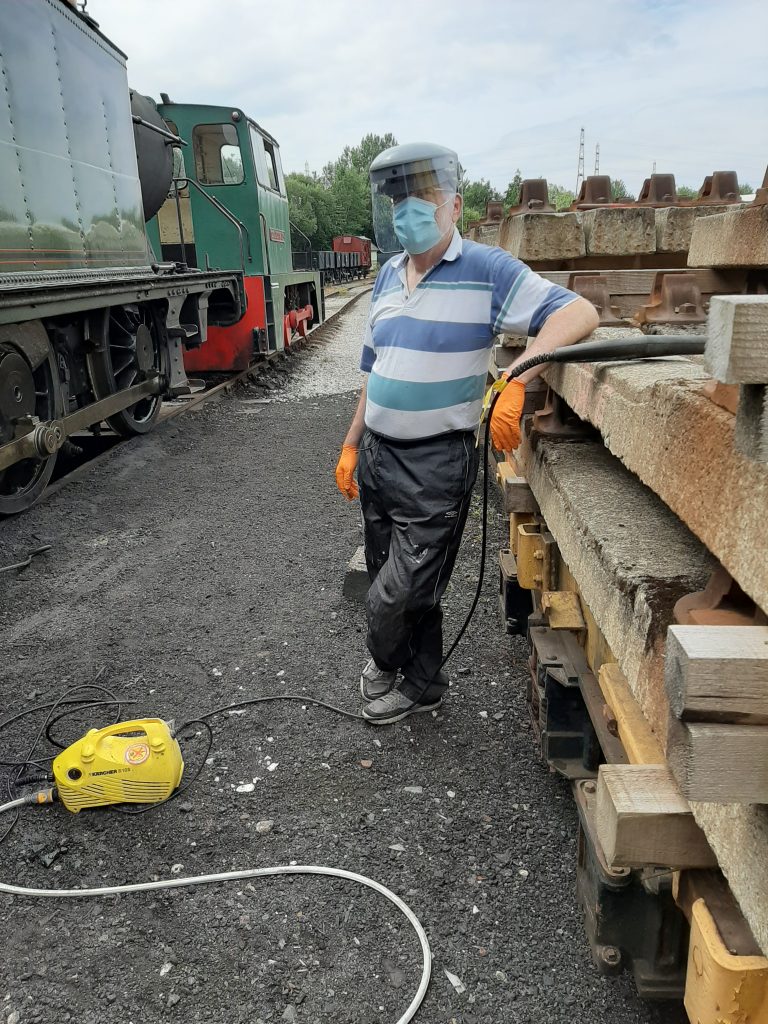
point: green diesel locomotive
(228, 208)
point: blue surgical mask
(416, 225)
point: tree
(351, 202)
(477, 195)
(513, 190)
(301, 203)
(620, 191)
(687, 192)
(361, 157)
(310, 208)
(338, 200)
(560, 197)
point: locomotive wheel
(25, 392)
(132, 352)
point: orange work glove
(505, 421)
(345, 472)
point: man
(435, 311)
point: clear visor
(431, 180)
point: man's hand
(345, 472)
(505, 420)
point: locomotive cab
(228, 209)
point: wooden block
(516, 494)
(718, 673)
(737, 339)
(633, 729)
(563, 610)
(642, 819)
(719, 763)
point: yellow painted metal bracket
(517, 519)
(727, 977)
(632, 727)
(535, 557)
(721, 988)
(563, 610)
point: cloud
(678, 82)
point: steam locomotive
(130, 234)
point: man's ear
(457, 204)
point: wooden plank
(642, 819)
(737, 339)
(516, 494)
(633, 729)
(718, 673)
(719, 763)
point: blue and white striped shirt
(427, 352)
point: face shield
(413, 198)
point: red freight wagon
(355, 243)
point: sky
(682, 83)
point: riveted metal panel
(69, 187)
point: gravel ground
(204, 563)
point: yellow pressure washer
(137, 762)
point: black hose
(630, 348)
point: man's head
(415, 196)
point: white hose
(13, 803)
(230, 876)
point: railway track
(97, 448)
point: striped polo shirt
(427, 351)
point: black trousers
(415, 497)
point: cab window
(266, 157)
(218, 160)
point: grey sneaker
(394, 706)
(375, 682)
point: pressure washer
(140, 761)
